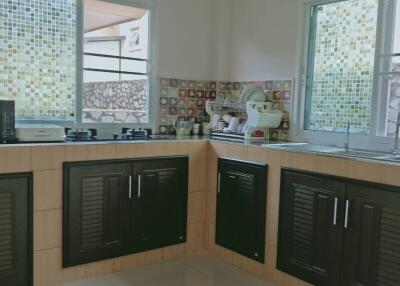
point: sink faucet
(396, 150)
(347, 144)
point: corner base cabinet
(336, 231)
(115, 208)
(16, 230)
(241, 207)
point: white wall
(264, 39)
(227, 39)
(184, 38)
(221, 39)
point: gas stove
(127, 134)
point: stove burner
(79, 135)
(89, 135)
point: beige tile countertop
(268, 144)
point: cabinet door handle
(219, 183)
(139, 186)
(335, 212)
(346, 218)
(130, 187)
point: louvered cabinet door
(371, 249)
(160, 202)
(310, 227)
(96, 211)
(15, 230)
(241, 207)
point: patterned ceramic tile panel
(37, 52)
(115, 102)
(344, 65)
(185, 99)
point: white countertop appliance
(40, 133)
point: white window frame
(374, 139)
(110, 128)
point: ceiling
(100, 14)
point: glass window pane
(115, 97)
(115, 102)
(394, 104)
(341, 65)
(105, 47)
(94, 62)
(92, 76)
(396, 39)
(37, 57)
(134, 66)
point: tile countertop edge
(253, 144)
(117, 142)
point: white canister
(234, 124)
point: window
(389, 69)
(41, 55)
(37, 56)
(341, 58)
(115, 69)
(352, 72)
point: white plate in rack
(252, 92)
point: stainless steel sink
(305, 147)
(390, 158)
(336, 151)
(360, 153)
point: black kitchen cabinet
(96, 211)
(241, 207)
(160, 203)
(119, 207)
(16, 230)
(310, 228)
(371, 246)
(351, 239)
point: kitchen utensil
(183, 127)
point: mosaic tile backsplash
(37, 52)
(343, 69)
(115, 102)
(185, 100)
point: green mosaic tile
(344, 52)
(37, 56)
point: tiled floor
(198, 270)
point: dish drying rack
(226, 107)
(260, 118)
